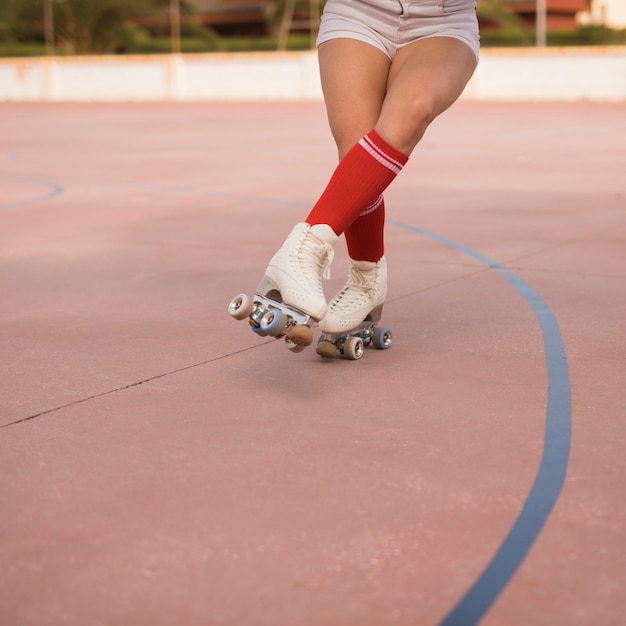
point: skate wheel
(273, 322)
(326, 349)
(382, 337)
(257, 330)
(240, 306)
(293, 347)
(301, 335)
(353, 348)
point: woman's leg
(354, 76)
(354, 79)
(423, 80)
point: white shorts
(391, 24)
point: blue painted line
(550, 477)
(56, 190)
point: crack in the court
(131, 385)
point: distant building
(560, 14)
(234, 18)
(249, 18)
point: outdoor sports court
(161, 464)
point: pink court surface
(161, 464)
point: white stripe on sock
(382, 157)
(372, 207)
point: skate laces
(360, 289)
(315, 252)
(330, 254)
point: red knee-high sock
(360, 178)
(366, 235)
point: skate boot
(351, 321)
(295, 272)
(290, 297)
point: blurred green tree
(84, 26)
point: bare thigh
(425, 78)
(354, 78)
(363, 89)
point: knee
(404, 127)
(419, 113)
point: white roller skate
(351, 322)
(290, 297)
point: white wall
(550, 74)
(510, 74)
(611, 13)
